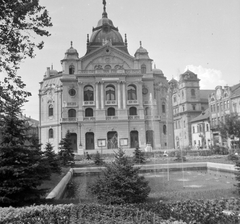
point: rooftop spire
(71, 43)
(140, 43)
(104, 15)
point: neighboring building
(188, 102)
(223, 101)
(201, 133)
(107, 98)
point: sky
(200, 35)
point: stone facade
(106, 98)
(188, 102)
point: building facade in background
(223, 101)
(106, 98)
(188, 101)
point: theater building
(106, 98)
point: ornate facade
(106, 98)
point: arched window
(71, 69)
(193, 94)
(72, 113)
(164, 129)
(163, 108)
(143, 69)
(110, 92)
(132, 92)
(89, 112)
(98, 67)
(88, 93)
(107, 67)
(50, 110)
(50, 133)
(111, 111)
(132, 111)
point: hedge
(82, 213)
(190, 211)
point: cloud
(210, 78)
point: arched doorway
(112, 140)
(89, 136)
(134, 139)
(149, 137)
(73, 137)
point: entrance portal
(149, 137)
(134, 139)
(89, 140)
(112, 138)
(73, 137)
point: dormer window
(71, 69)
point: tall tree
(21, 22)
(120, 182)
(66, 154)
(22, 166)
(52, 158)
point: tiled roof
(235, 90)
(203, 116)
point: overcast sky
(201, 35)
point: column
(124, 94)
(97, 96)
(80, 94)
(119, 96)
(139, 92)
(102, 96)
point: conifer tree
(22, 167)
(66, 155)
(52, 158)
(120, 182)
(138, 156)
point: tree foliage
(98, 159)
(66, 155)
(120, 182)
(21, 22)
(52, 158)
(231, 127)
(22, 166)
(138, 156)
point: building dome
(141, 53)
(104, 33)
(71, 53)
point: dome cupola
(141, 53)
(105, 33)
(71, 53)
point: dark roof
(235, 90)
(204, 94)
(203, 116)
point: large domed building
(106, 98)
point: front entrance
(112, 140)
(73, 137)
(134, 139)
(89, 140)
(149, 137)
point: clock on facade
(144, 90)
(218, 94)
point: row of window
(217, 120)
(110, 111)
(71, 68)
(200, 128)
(110, 91)
(51, 134)
(193, 94)
(220, 106)
(176, 110)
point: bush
(138, 156)
(98, 159)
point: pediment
(107, 55)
